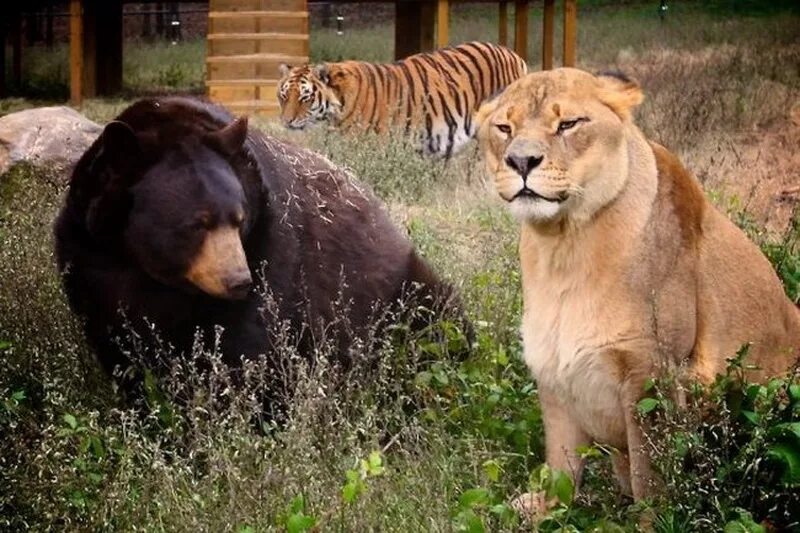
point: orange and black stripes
(434, 93)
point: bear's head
(176, 208)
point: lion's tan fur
(635, 274)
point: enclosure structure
(248, 39)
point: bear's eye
(504, 128)
(238, 218)
(203, 220)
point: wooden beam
(502, 21)
(406, 28)
(521, 28)
(16, 49)
(427, 36)
(547, 34)
(89, 59)
(570, 32)
(76, 52)
(442, 23)
(413, 27)
(3, 34)
(108, 35)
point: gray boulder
(54, 137)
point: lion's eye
(504, 128)
(565, 125)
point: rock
(47, 136)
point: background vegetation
(428, 446)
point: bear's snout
(220, 266)
(239, 285)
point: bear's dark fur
(162, 205)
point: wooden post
(76, 52)
(521, 28)
(3, 32)
(16, 49)
(442, 23)
(427, 35)
(108, 57)
(413, 27)
(547, 34)
(502, 30)
(570, 31)
(48, 31)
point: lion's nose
(523, 164)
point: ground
(723, 91)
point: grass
(355, 458)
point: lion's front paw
(531, 506)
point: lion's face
(554, 142)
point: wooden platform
(247, 41)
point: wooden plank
(442, 23)
(257, 14)
(570, 32)
(294, 48)
(255, 5)
(257, 36)
(255, 58)
(293, 25)
(76, 52)
(521, 28)
(243, 81)
(547, 34)
(502, 21)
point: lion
(628, 271)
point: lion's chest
(570, 333)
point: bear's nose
(523, 164)
(239, 285)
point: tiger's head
(306, 96)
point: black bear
(178, 210)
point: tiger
(432, 94)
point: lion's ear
(620, 93)
(483, 113)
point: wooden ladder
(247, 41)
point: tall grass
(434, 446)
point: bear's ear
(230, 139)
(121, 147)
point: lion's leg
(621, 463)
(643, 480)
(562, 438)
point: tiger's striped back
(433, 94)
